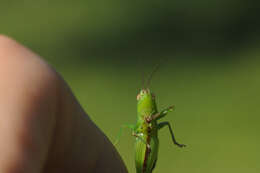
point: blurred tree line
(119, 27)
(216, 25)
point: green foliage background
(209, 55)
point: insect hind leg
(154, 164)
(166, 123)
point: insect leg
(139, 136)
(160, 115)
(154, 164)
(130, 126)
(166, 123)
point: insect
(146, 131)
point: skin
(43, 128)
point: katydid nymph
(146, 131)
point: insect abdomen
(145, 158)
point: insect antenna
(152, 74)
(143, 79)
(140, 63)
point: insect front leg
(130, 126)
(140, 137)
(166, 123)
(159, 115)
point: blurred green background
(209, 54)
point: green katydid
(146, 131)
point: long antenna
(152, 74)
(143, 80)
(140, 62)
